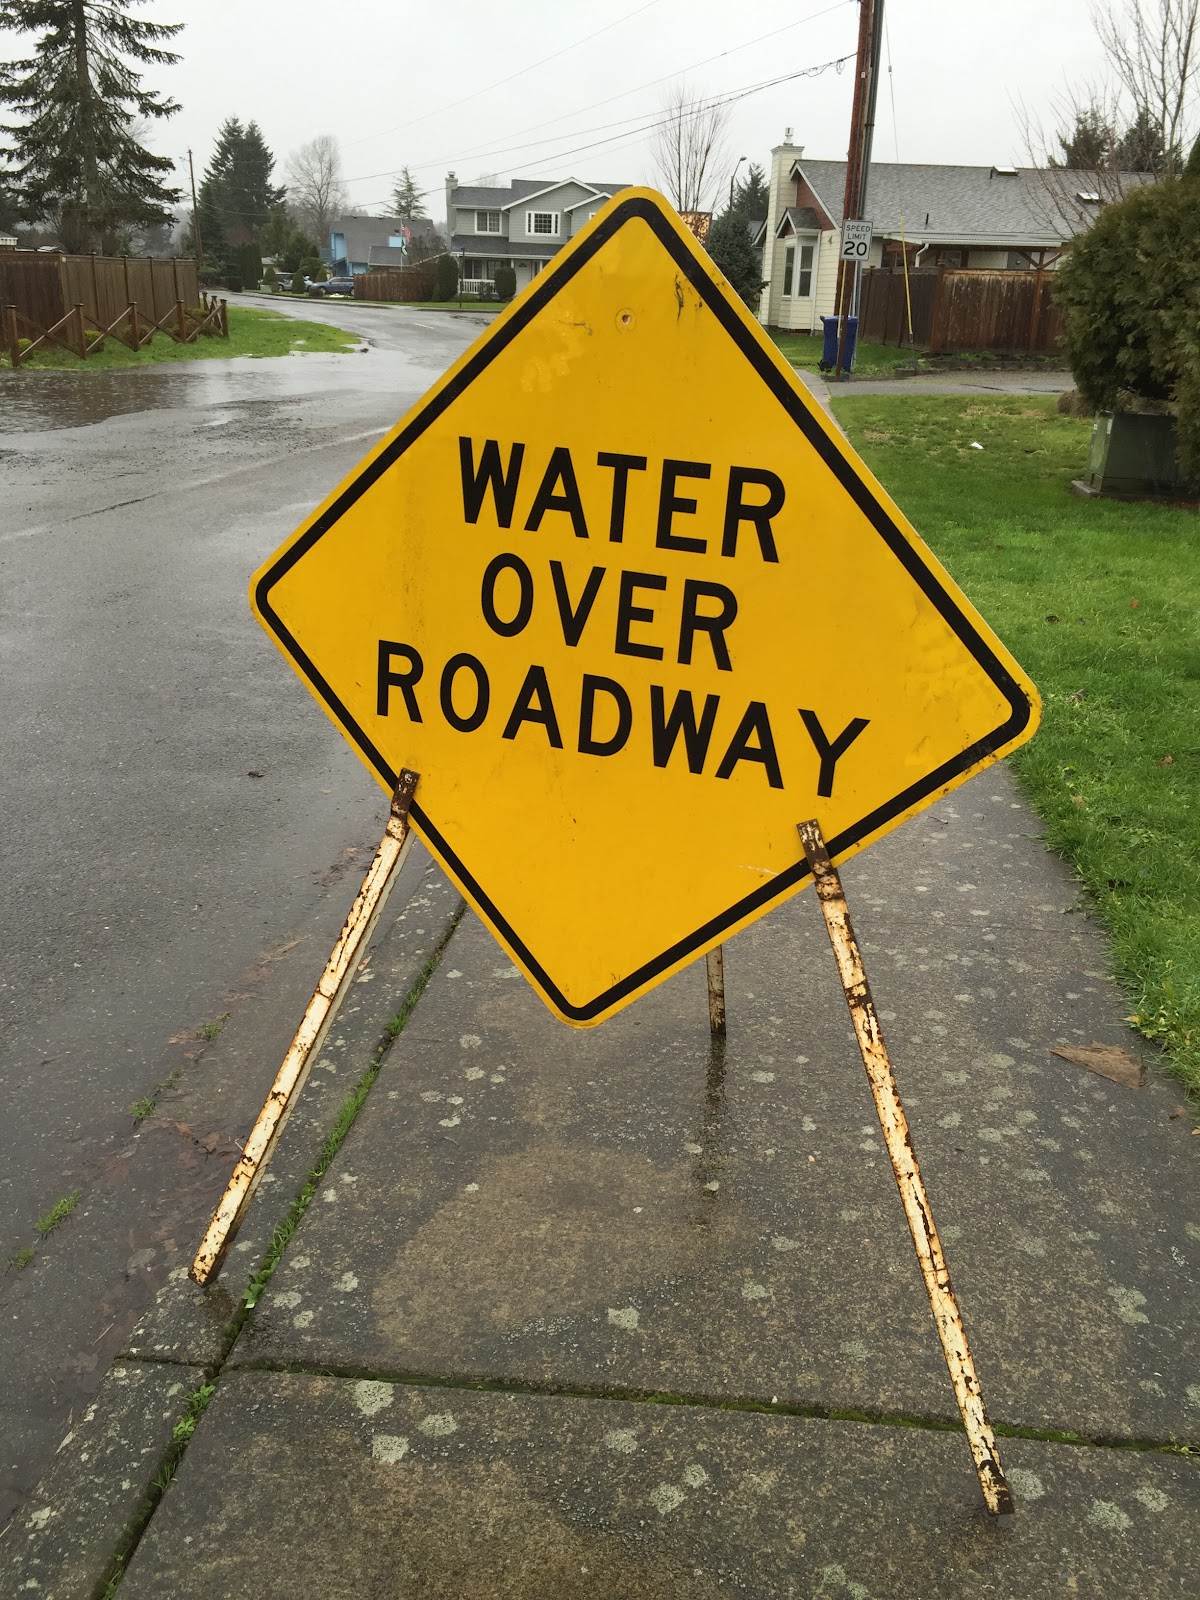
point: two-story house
(521, 226)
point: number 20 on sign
(628, 602)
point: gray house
(998, 217)
(359, 243)
(521, 226)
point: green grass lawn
(873, 360)
(1098, 601)
(251, 333)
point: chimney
(451, 185)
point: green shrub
(270, 278)
(446, 285)
(505, 282)
(233, 282)
(298, 285)
(1130, 293)
(92, 335)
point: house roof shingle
(495, 247)
(952, 205)
(492, 199)
(361, 233)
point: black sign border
(548, 284)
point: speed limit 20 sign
(856, 240)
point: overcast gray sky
(423, 83)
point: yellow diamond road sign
(631, 607)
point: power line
(491, 150)
(658, 120)
(500, 82)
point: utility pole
(195, 215)
(870, 22)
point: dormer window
(487, 222)
(1004, 172)
(1089, 197)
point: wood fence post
(1035, 309)
(181, 322)
(80, 334)
(14, 338)
(224, 319)
(125, 267)
(135, 327)
(95, 291)
(175, 275)
(937, 306)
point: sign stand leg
(908, 1175)
(715, 963)
(310, 1035)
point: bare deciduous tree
(689, 149)
(1153, 51)
(315, 188)
(1137, 123)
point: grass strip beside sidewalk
(1099, 601)
(251, 333)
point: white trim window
(542, 224)
(487, 222)
(798, 275)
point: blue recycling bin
(830, 349)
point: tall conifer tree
(74, 155)
(236, 193)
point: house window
(789, 267)
(487, 222)
(804, 277)
(542, 222)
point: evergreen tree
(406, 197)
(1141, 148)
(236, 193)
(1089, 146)
(730, 247)
(750, 196)
(74, 154)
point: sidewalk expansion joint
(197, 1402)
(615, 1392)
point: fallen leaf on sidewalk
(1108, 1060)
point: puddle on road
(35, 403)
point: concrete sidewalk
(617, 1314)
(943, 383)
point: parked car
(337, 286)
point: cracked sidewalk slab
(359, 1487)
(623, 1211)
(190, 1324)
(61, 1544)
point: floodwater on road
(183, 829)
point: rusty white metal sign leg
(715, 965)
(892, 1120)
(310, 1035)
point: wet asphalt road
(153, 883)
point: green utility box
(1132, 453)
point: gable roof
(361, 233)
(491, 198)
(963, 205)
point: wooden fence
(956, 309)
(397, 283)
(82, 335)
(45, 285)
